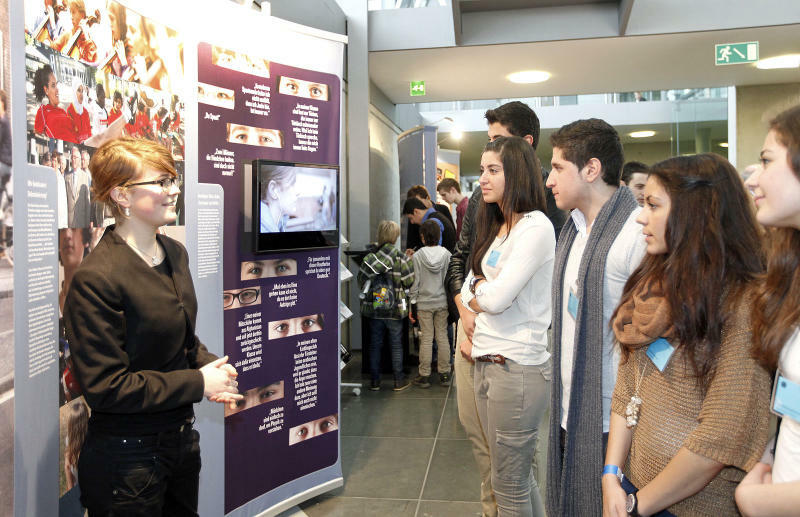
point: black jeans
(140, 475)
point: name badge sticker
(786, 398)
(494, 256)
(572, 305)
(659, 352)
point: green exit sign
(417, 88)
(736, 53)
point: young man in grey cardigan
(599, 247)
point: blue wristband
(611, 469)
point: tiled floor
(403, 455)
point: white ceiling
(600, 65)
(468, 6)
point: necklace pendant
(632, 412)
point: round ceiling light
(528, 77)
(642, 134)
(723, 144)
(785, 61)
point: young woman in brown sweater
(689, 413)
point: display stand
(215, 106)
(344, 314)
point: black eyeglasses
(245, 297)
(165, 183)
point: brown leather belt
(491, 358)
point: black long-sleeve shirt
(130, 330)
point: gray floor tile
(390, 467)
(448, 509)
(436, 391)
(451, 427)
(359, 506)
(380, 417)
(453, 474)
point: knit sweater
(387, 258)
(729, 424)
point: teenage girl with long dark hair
(689, 414)
(775, 490)
(509, 288)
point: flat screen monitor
(294, 206)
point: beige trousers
(468, 415)
(433, 323)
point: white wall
(384, 170)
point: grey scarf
(573, 482)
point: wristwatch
(614, 469)
(632, 505)
(473, 283)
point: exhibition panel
(254, 131)
(267, 122)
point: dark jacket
(459, 261)
(131, 337)
(557, 216)
(414, 241)
(448, 231)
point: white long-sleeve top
(515, 297)
(786, 468)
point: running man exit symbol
(417, 88)
(736, 53)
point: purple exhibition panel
(280, 309)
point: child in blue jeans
(389, 274)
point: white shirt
(98, 117)
(61, 194)
(624, 257)
(787, 451)
(516, 294)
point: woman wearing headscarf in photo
(78, 112)
(51, 120)
(130, 318)
(689, 412)
(774, 490)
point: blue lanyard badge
(572, 304)
(659, 352)
(494, 256)
(786, 398)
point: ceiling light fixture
(785, 61)
(642, 134)
(528, 77)
(723, 144)
(456, 135)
